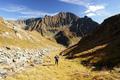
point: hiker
(56, 59)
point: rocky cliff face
(53, 24)
(100, 48)
(50, 26)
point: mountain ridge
(49, 26)
(102, 45)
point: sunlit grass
(66, 70)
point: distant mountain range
(65, 27)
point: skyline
(98, 10)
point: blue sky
(98, 10)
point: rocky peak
(61, 19)
(49, 26)
(86, 17)
(67, 15)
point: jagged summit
(66, 14)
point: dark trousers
(56, 61)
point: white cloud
(25, 11)
(91, 14)
(94, 8)
(13, 8)
(91, 9)
(8, 18)
(100, 13)
(77, 2)
(36, 13)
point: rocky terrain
(14, 60)
(65, 22)
(66, 70)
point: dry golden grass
(66, 70)
(36, 41)
(49, 71)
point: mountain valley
(87, 50)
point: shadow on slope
(108, 33)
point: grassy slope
(66, 70)
(102, 47)
(11, 40)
